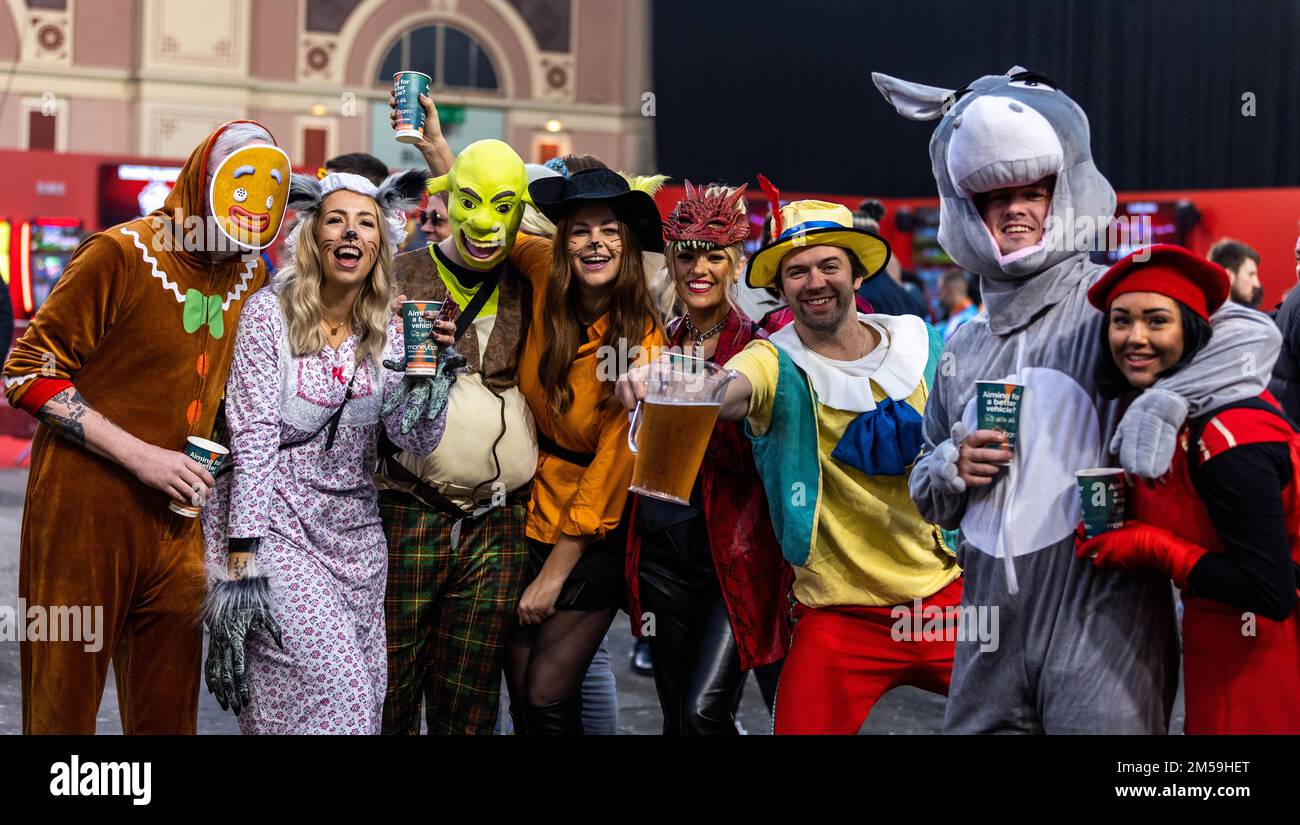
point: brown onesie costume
(145, 332)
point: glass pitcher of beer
(671, 428)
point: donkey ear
(1016, 70)
(913, 100)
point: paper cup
(208, 453)
(997, 406)
(407, 88)
(1102, 491)
(417, 332)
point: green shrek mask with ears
(487, 188)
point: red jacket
(1233, 679)
(754, 578)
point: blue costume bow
(883, 441)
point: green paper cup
(997, 406)
(417, 332)
(208, 453)
(407, 88)
(1102, 491)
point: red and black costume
(1224, 524)
(1242, 506)
(711, 575)
(707, 583)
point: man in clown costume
(455, 517)
(1082, 650)
(126, 359)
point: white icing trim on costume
(153, 265)
(240, 287)
(18, 380)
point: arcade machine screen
(1140, 223)
(52, 242)
(129, 190)
(6, 235)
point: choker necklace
(701, 337)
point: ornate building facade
(151, 78)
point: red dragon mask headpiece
(705, 221)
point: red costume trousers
(843, 659)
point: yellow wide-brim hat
(815, 223)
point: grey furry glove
(943, 469)
(233, 609)
(424, 396)
(1148, 433)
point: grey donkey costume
(1081, 650)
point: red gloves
(1137, 546)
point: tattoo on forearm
(68, 423)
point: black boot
(556, 719)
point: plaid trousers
(448, 613)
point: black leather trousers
(696, 665)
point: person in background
(1242, 264)
(955, 298)
(1225, 524)
(359, 163)
(888, 296)
(1285, 384)
(434, 222)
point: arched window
(448, 55)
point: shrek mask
(248, 193)
(487, 188)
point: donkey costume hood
(1000, 131)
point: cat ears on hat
(305, 194)
(400, 191)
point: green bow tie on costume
(200, 308)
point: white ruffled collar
(896, 365)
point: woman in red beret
(1225, 523)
